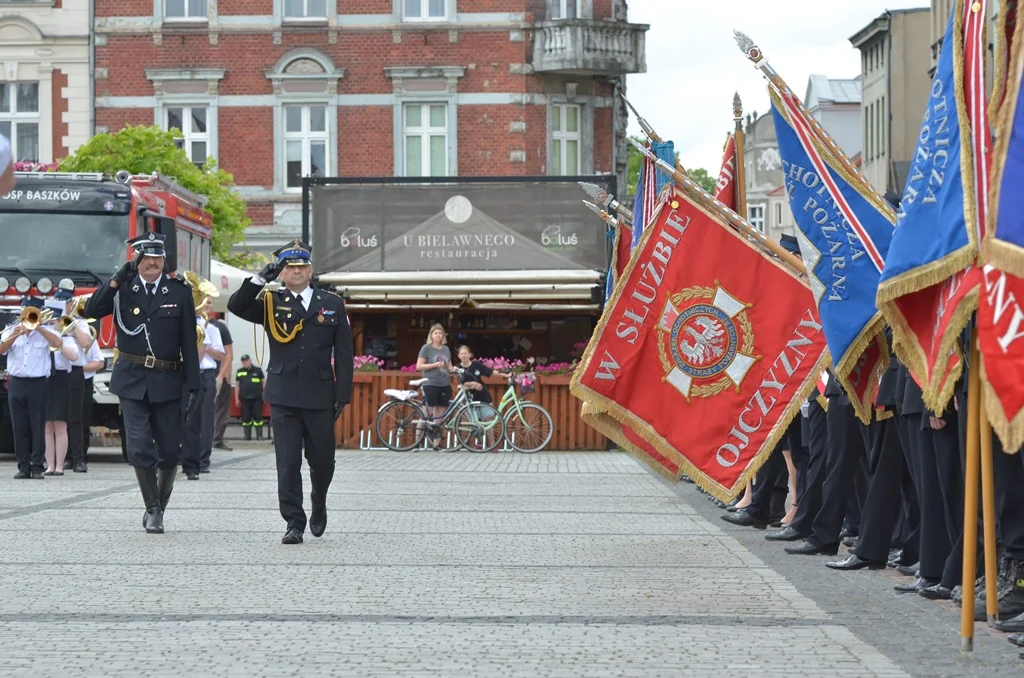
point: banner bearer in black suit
(156, 343)
(307, 328)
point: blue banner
(843, 237)
(665, 150)
(932, 240)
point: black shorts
(437, 396)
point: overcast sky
(694, 66)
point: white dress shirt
(60, 362)
(92, 355)
(212, 340)
(29, 355)
(83, 355)
(307, 296)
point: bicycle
(528, 426)
(402, 422)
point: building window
(195, 134)
(425, 131)
(424, 10)
(305, 9)
(778, 214)
(19, 118)
(566, 9)
(305, 143)
(185, 9)
(883, 126)
(755, 215)
(565, 139)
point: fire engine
(71, 227)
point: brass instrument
(202, 289)
(78, 308)
(31, 317)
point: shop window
(19, 118)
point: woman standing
(58, 405)
(435, 362)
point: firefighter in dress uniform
(156, 343)
(249, 397)
(307, 327)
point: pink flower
(367, 363)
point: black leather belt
(150, 362)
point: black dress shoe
(1011, 625)
(80, 467)
(845, 534)
(318, 521)
(788, 534)
(849, 541)
(292, 536)
(37, 475)
(222, 446)
(809, 549)
(744, 519)
(936, 592)
(205, 470)
(909, 570)
(1016, 638)
(22, 475)
(69, 464)
(192, 475)
(855, 562)
(916, 585)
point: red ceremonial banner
(705, 351)
(1000, 331)
(725, 189)
(620, 254)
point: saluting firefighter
(249, 397)
(307, 328)
(156, 342)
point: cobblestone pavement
(437, 564)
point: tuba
(202, 289)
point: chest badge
(135, 288)
(163, 290)
(320, 318)
(136, 310)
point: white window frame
(559, 111)
(15, 118)
(186, 17)
(778, 214)
(305, 15)
(425, 131)
(188, 136)
(306, 136)
(559, 9)
(425, 10)
(758, 220)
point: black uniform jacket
(170, 319)
(300, 373)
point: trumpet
(31, 317)
(67, 325)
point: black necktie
(150, 289)
(302, 303)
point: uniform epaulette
(177, 277)
(331, 293)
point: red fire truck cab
(58, 226)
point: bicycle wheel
(528, 427)
(479, 427)
(399, 425)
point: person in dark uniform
(249, 397)
(197, 432)
(156, 342)
(306, 329)
(28, 372)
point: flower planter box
(570, 433)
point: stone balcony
(587, 47)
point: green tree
(634, 158)
(148, 149)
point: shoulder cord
(131, 333)
(280, 335)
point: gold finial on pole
(694, 190)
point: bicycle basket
(527, 383)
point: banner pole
(988, 503)
(741, 170)
(971, 478)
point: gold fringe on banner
(1009, 430)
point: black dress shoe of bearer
(1016, 638)
(937, 592)
(855, 562)
(292, 536)
(915, 586)
(744, 519)
(788, 534)
(1011, 625)
(908, 570)
(811, 549)
(22, 475)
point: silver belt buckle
(150, 361)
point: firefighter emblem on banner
(706, 341)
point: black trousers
(76, 413)
(845, 452)
(766, 484)
(87, 403)
(221, 412)
(935, 542)
(251, 412)
(209, 379)
(26, 399)
(809, 500)
(910, 538)
(152, 432)
(882, 503)
(295, 428)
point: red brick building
(276, 89)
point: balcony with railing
(587, 47)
